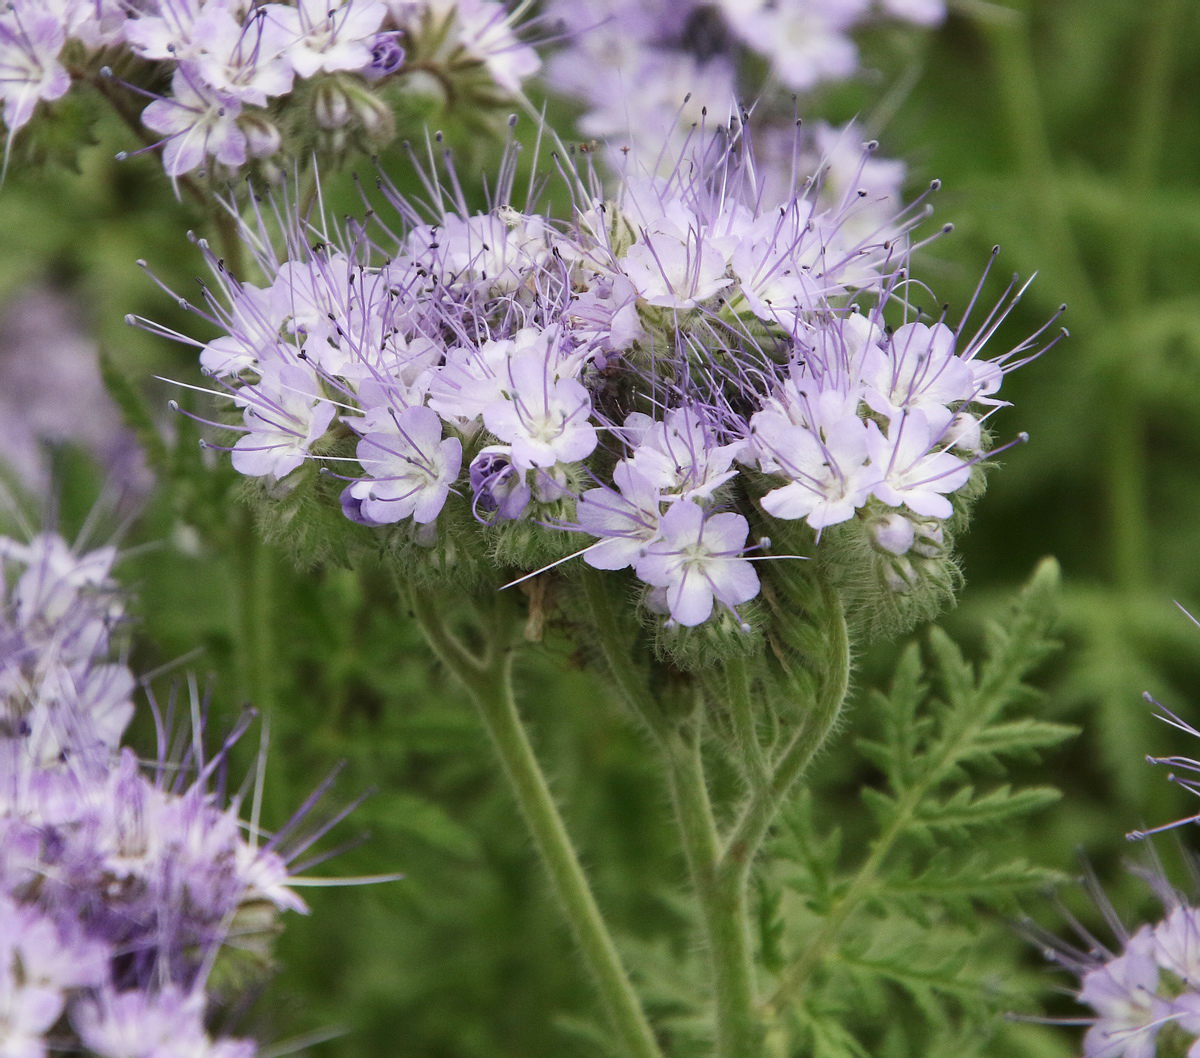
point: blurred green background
(1068, 132)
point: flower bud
(622, 232)
(331, 106)
(344, 107)
(930, 539)
(387, 57)
(893, 533)
(421, 97)
(900, 576)
(371, 114)
(263, 138)
(965, 433)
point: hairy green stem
(740, 689)
(254, 616)
(832, 678)
(721, 895)
(488, 680)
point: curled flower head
(679, 369)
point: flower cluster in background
(644, 70)
(123, 890)
(1144, 996)
(1148, 992)
(650, 372)
(234, 66)
(45, 354)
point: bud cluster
(120, 890)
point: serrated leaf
(1018, 736)
(963, 809)
(976, 879)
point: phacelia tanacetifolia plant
(705, 425)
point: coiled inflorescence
(672, 364)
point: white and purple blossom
(320, 36)
(410, 466)
(697, 561)
(284, 415)
(155, 1023)
(1124, 994)
(683, 61)
(234, 68)
(31, 40)
(198, 122)
(545, 419)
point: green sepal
(301, 514)
(707, 647)
(246, 958)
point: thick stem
(722, 898)
(488, 680)
(740, 690)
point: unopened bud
(893, 533)
(422, 94)
(900, 576)
(930, 539)
(263, 139)
(372, 115)
(331, 106)
(964, 433)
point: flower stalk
(721, 894)
(487, 677)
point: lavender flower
(120, 887)
(682, 61)
(1144, 992)
(697, 559)
(151, 1024)
(31, 40)
(670, 365)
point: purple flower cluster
(119, 889)
(231, 63)
(1144, 997)
(640, 373)
(644, 69)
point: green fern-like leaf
(884, 934)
